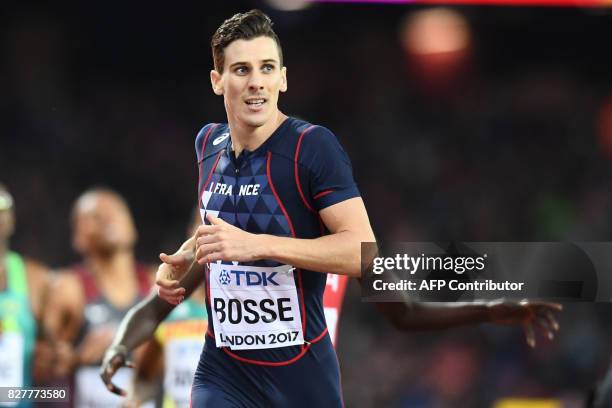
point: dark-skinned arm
(432, 315)
(139, 325)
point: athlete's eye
(267, 68)
(241, 70)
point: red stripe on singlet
(296, 169)
(202, 162)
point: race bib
(332, 302)
(254, 307)
(331, 318)
(91, 392)
(181, 360)
(11, 362)
(11, 359)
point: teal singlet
(182, 337)
(17, 328)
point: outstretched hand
(532, 315)
(169, 273)
(114, 358)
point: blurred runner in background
(89, 299)
(23, 292)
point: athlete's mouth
(255, 102)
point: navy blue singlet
(267, 318)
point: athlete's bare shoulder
(36, 271)
(67, 288)
(38, 284)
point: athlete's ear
(215, 81)
(283, 87)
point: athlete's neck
(250, 138)
(115, 276)
(112, 267)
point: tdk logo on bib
(248, 278)
(224, 277)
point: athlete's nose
(255, 81)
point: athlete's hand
(530, 314)
(114, 358)
(225, 242)
(170, 272)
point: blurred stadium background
(468, 122)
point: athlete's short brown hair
(242, 26)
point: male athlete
(281, 210)
(270, 186)
(23, 291)
(91, 298)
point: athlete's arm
(38, 285)
(39, 279)
(62, 318)
(339, 252)
(531, 315)
(63, 315)
(140, 323)
(173, 268)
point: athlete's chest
(247, 193)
